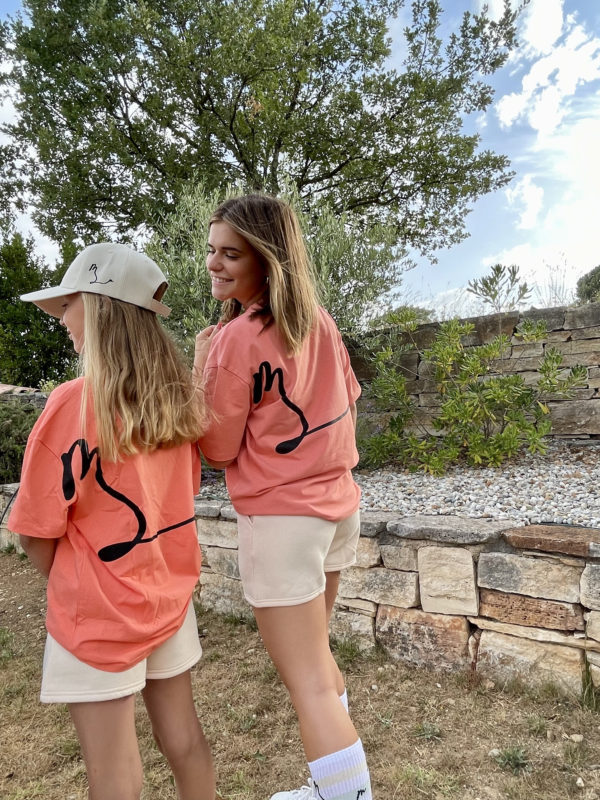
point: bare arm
(201, 350)
(40, 552)
(218, 464)
(353, 414)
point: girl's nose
(213, 263)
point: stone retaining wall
(575, 332)
(446, 593)
(22, 394)
(451, 593)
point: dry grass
(426, 735)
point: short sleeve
(40, 508)
(352, 385)
(228, 397)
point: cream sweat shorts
(66, 679)
(283, 559)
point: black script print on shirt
(263, 382)
(119, 549)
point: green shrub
(513, 758)
(484, 416)
(588, 286)
(16, 421)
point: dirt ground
(426, 735)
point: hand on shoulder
(202, 347)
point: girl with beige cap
(105, 510)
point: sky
(546, 118)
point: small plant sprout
(514, 759)
(429, 731)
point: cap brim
(50, 300)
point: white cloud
(527, 197)
(551, 80)
(546, 268)
(542, 25)
(451, 303)
(547, 111)
(566, 231)
(556, 200)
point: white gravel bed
(560, 487)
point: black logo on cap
(94, 269)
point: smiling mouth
(221, 280)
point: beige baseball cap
(114, 270)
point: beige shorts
(283, 559)
(66, 679)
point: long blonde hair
(142, 390)
(271, 228)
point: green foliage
(588, 286)
(6, 646)
(179, 246)
(590, 695)
(33, 345)
(484, 416)
(405, 317)
(514, 759)
(16, 421)
(537, 725)
(421, 782)
(428, 730)
(501, 289)
(354, 267)
(47, 386)
(121, 105)
(346, 653)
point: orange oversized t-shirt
(284, 419)
(127, 556)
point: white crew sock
(343, 775)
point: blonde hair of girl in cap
(105, 510)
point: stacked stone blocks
(444, 593)
(575, 332)
(450, 593)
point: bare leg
(297, 640)
(106, 731)
(332, 582)
(180, 737)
